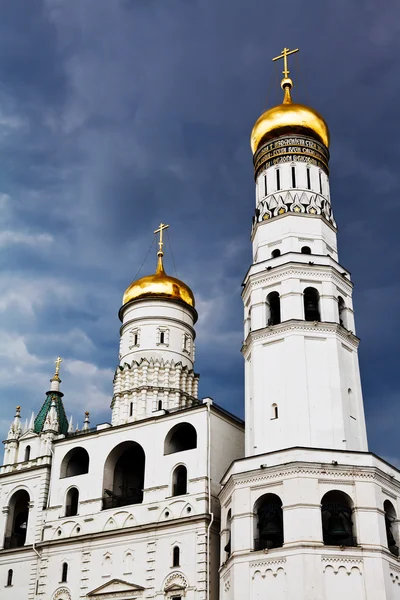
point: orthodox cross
(160, 231)
(58, 363)
(285, 53)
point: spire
(31, 422)
(15, 427)
(86, 422)
(53, 402)
(160, 253)
(70, 425)
(51, 422)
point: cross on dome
(285, 53)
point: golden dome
(159, 285)
(288, 118)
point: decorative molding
(342, 559)
(267, 563)
(62, 594)
(302, 326)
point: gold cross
(160, 231)
(58, 363)
(285, 53)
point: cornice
(315, 327)
(299, 269)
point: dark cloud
(116, 115)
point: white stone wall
(133, 542)
(147, 318)
(304, 568)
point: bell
(336, 528)
(311, 310)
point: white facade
(172, 499)
(128, 509)
(308, 513)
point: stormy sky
(118, 114)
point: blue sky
(116, 115)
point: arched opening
(337, 523)
(27, 453)
(179, 481)
(306, 250)
(176, 556)
(275, 253)
(64, 573)
(72, 502)
(391, 528)
(342, 312)
(228, 538)
(269, 522)
(181, 437)
(274, 411)
(75, 462)
(273, 309)
(9, 577)
(311, 305)
(17, 522)
(123, 480)
(159, 405)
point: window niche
(135, 338)
(311, 305)
(162, 336)
(337, 519)
(181, 437)
(72, 502)
(64, 573)
(273, 309)
(75, 462)
(179, 481)
(17, 521)
(176, 556)
(268, 532)
(124, 472)
(391, 526)
(9, 578)
(186, 343)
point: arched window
(72, 502)
(75, 462)
(311, 305)
(228, 538)
(342, 312)
(180, 438)
(391, 527)
(9, 577)
(179, 481)
(123, 480)
(64, 573)
(27, 453)
(17, 521)
(306, 250)
(176, 556)
(159, 405)
(268, 514)
(274, 411)
(337, 523)
(275, 253)
(273, 309)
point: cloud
(115, 116)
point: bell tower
(302, 383)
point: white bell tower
(301, 365)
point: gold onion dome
(159, 285)
(288, 117)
